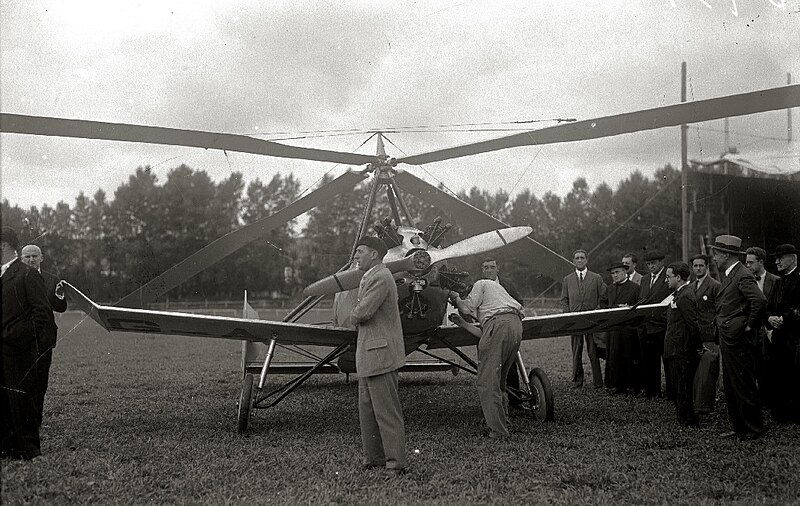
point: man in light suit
(654, 289)
(705, 380)
(767, 282)
(583, 290)
(630, 262)
(32, 257)
(740, 310)
(784, 319)
(379, 355)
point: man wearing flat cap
(784, 318)
(654, 289)
(379, 355)
(623, 360)
(740, 307)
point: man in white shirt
(500, 317)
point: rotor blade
(771, 99)
(231, 242)
(473, 221)
(481, 243)
(61, 127)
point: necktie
(580, 277)
(652, 281)
(758, 278)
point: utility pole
(789, 112)
(684, 176)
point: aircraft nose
(421, 259)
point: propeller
(421, 259)
(474, 221)
(697, 111)
(231, 242)
(60, 127)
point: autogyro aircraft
(413, 256)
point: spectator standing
(654, 290)
(705, 380)
(765, 359)
(740, 309)
(26, 314)
(583, 290)
(379, 355)
(32, 257)
(784, 319)
(622, 363)
(682, 343)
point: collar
(729, 269)
(374, 267)
(791, 271)
(679, 288)
(700, 280)
(578, 273)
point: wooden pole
(684, 176)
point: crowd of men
(749, 319)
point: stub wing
(121, 319)
(560, 324)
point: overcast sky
(266, 68)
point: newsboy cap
(785, 249)
(728, 244)
(374, 243)
(653, 254)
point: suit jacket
(26, 312)
(585, 296)
(770, 285)
(786, 303)
(379, 348)
(682, 338)
(47, 340)
(707, 307)
(647, 295)
(740, 304)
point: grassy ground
(134, 419)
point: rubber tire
(544, 410)
(245, 404)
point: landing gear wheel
(541, 403)
(245, 404)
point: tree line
(109, 247)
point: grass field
(135, 419)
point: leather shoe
(399, 471)
(368, 467)
(728, 434)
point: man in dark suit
(654, 289)
(26, 314)
(380, 353)
(682, 343)
(784, 320)
(705, 380)
(740, 310)
(630, 260)
(583, 290)
(767, 386)
(32, 257)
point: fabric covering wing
(121, 319)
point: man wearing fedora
(740, 309)
(654, 289)
(380, 353)
(784, 319)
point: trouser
(682, 371)
(383, 434)
(18, 419)
(785, 367)
(42, 379)
(739, 383)
(652, 348)
(501, 336)
(705, 379)
(577, 360)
